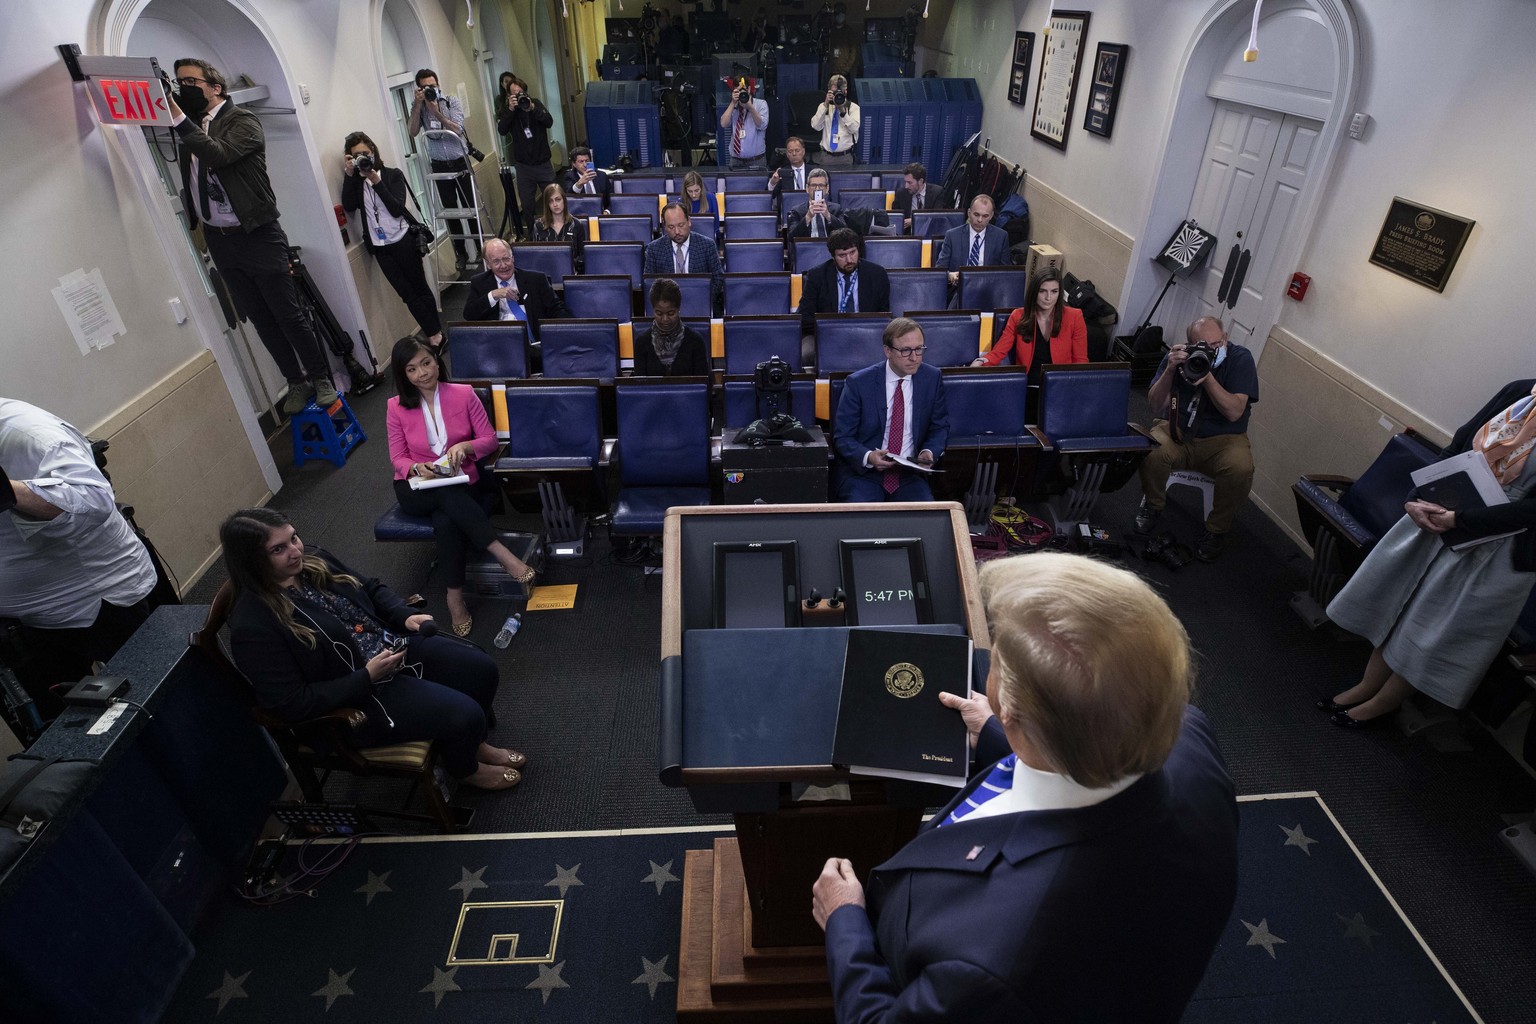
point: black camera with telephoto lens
(1200, 356)
(523, 102)
(743, 97)
(840, 97)
(430, 94)
(362, 164)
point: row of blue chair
(631, 221)
(748, 181)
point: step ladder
(474, 213)
(328, 434)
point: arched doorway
(1247, 152)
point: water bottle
(509, 629)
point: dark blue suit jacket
(1106, 913)
(956, 248)
(860, 423)
(703, 258)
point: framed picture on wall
(1018, 78)
(1061, 58)
(1104, 94)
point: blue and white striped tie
(998, 781)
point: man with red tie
(746, 119)
(894, 408)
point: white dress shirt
(1035, 790)
(893, 380)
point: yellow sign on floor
(548, 599)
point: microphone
(429, 629)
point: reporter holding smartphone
(313, 635)
(747, 118)
(432, 423)
(526, 123)
(837, 118)
(819, 217)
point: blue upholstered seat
(933, 223)
(584, 206)
(849, 341)
(986, 408)
(634, 228)
(552, 427)
(1362, 510)
(750, 225)
(395, 525)
(862, 198)
(489, 350)
(747, 202)
(635, 206)
(764, 294)
(750, 340)
(552, 259)
(614, 258)
(810, 253)
(741, 402)
(600, 298)
(992, 288)
(663, 452)
(952, 339)
(754, 256)
(849, 180)
(581, 348)
(697, 289)
(642, 184)
(913, 290)
(895, 253)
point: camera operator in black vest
(1204, 392)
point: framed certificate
(1061, 58)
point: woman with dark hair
(311, 635)
(502, 85)
(380, 193)
(1438, 617)
(439, 430)
(555, 222)
(1051, 320)
(670, 348)
(696, 199)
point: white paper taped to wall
(88, 309)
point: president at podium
(1088, 868)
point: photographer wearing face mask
(224, 174)
(437, 110)
(1206, 388)
(837, 118)
(746, 117)
(525, 122)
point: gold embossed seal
(904, 679)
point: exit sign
(124, 100)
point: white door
(1250, 178)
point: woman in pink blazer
(1051, 321)
(439, 429)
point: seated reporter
(380, 193)
(1087, 874)
(819, 217)
(1049, 332)
(670, 348)
(503, 292)
(893, 408)
(556, 223)
(433, 423)
(312, 635)
(695, 199)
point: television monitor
(757, 584)
(886, 582)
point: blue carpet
(596, 922)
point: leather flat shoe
(462, 629)
(1344, 721)
(509, 778)
(1329, 706)
(514, 758)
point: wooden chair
(315, 748)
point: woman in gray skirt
(1437, 616)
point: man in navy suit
(1087, 875)
(916, 194)
(680, 251)
(895, 407)
(847, 283)
(976, 243)
(582, 179)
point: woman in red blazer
(436, 430)
(1052, 319)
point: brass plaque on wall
(1420, 243)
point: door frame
(1183, 146)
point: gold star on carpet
(442, 983)
(232, 988)
(1296, 837)
(1357, 928)
(335, 987)
(653, 974)
(661, 874)
(469, 881)
(548, 980)
(565, 878)
(1260, 935)
(375, 885)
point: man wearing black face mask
(846, 283)
(224, 172)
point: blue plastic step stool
(329, 434)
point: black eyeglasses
(915, 350)
(193, 81)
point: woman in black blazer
(380, 193)
(555, 222)
(311, 635)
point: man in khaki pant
(1203, 427)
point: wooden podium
(751, 951)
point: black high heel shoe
(1328, 706)
(1343, 720)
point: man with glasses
(439, 111)
(224, 176)
(891, 423)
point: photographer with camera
(837, 118)
(1205, 388)
(670, 348)
(381, 194)
(525, 122)
(747, 118)
(582, 179)
(440, 111)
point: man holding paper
(891, 423)
(1438, 615)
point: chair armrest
(333, 721)
(1329, 480)
(1039, 435)
(1144, 432)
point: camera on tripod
(1200, 356)
(771, 382)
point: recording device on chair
(775, 423)
(96, 691)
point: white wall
(1451, 96)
